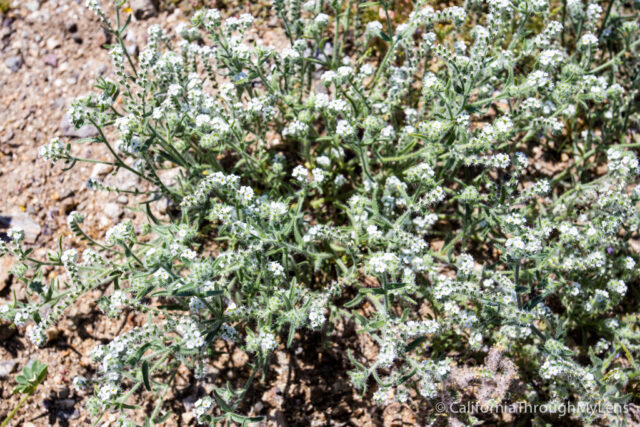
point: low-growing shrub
(454, 184)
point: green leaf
(140, 353)
(414, 344)
(213, 293)
(31, 376)
(354, 361)
(160, 420)
(355, 301)
(292, 332)
(145, 375)
(368, 4)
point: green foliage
(30, 378)
(459, 185)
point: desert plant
(478, 171)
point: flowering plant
(458, 183)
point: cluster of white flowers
(54, 151)
(201, 407)
(190, 333)
(453, 183)
(120, 234)
(263, 342)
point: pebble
(100, 170)
(189, 401)
(7, 136)
(14, 63)
(59, 103)
(162, 205)
(122, 199)
(71, 26)
(33, 5)
(123, 179)
(51, 60)
(62, 194)
(7, 367)
(104, 38)
(68, 130)
(113, 210)
(52, 43)
(132, 49)
(143, 9)
(187, 417)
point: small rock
(189, 401)
(100, 170)
(122, 199)
(187, 417)
(7, 136)
(76, 38)
(163, 205)
(132, 49)
(20, 219)
(71, 26)
(33, 5)
(113, 210)
(124, 180)
(7, 367)
(169, 176)
(62, 194)
(69, 206)
(104, 38)
(59, 103)
(68, 130)
(143, 9)
(51, 60)
(52, 43)
(104, 222)
(14, 63)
